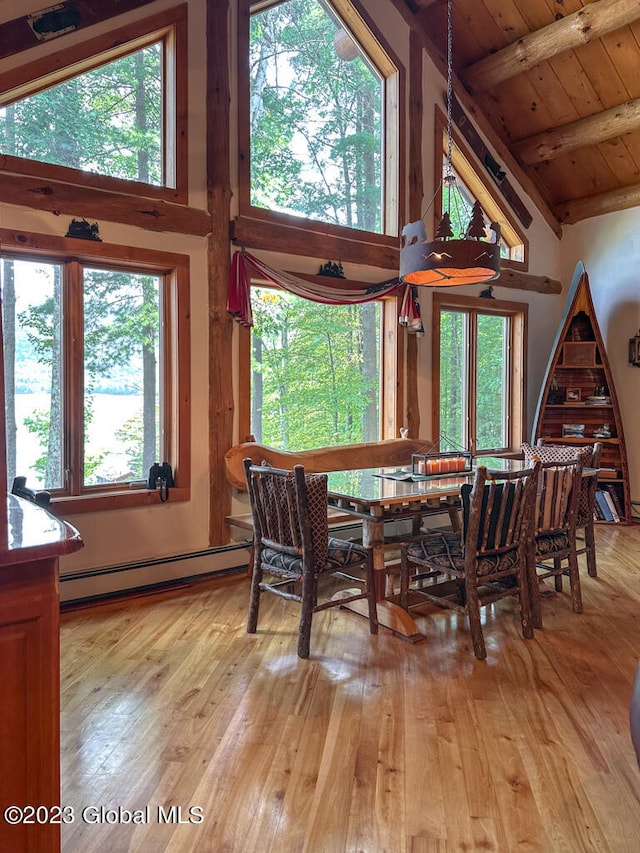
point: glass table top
(396, 483)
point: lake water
(110, 413)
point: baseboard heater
(147, 575)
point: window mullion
(73, 378)
(508, 380)
(472, 381)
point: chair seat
(552, 542)
(445, 554)
(340, 554)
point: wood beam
(591, 130)
(581, 27)
(611, 201)
(219, 429)
(508, 161)
(519, 280)
(275, 237)
(61, 198)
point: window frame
(359, 24)
(481, 187)
(31, 78)
(175, 369)
(517, 312)
(391, 385)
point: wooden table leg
(390, 614)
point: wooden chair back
(493, 562)
(289, 511)
(558, 496)
(498, 510)
(591, 457)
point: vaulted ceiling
(555, 87)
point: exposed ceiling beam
(512, 278)
(556, 141)
(525, 281)
(574, 211)
(581, 27)
(481, 122)
(506, 158)
(422, 4)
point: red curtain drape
(332, 291)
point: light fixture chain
(449, 82)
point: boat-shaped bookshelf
(578, 402)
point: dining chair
(553, 549)
(291, 543)
(486, 562)
(556, 451)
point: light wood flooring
(372, 744)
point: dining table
(379, 495)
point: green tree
(104, 120)
(309, 360)
(120, 325)
(489, 360)
(315, 119)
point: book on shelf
(603, 510)
(615, 497)
(612, 507)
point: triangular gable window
(101, 115)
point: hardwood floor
(372, 744)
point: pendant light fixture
(449, 260)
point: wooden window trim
(518, 314)
(31, 78)
(464, 162)
(249, 220)
(175, 369)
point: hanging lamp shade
(447, 262)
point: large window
(109, 114)
(479, 348)
(90, 355)
(315, 371)
(473, 184)
(108, 120)
(322, 107)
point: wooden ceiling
(555, 86)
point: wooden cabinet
(30, 670)
(578, 402)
